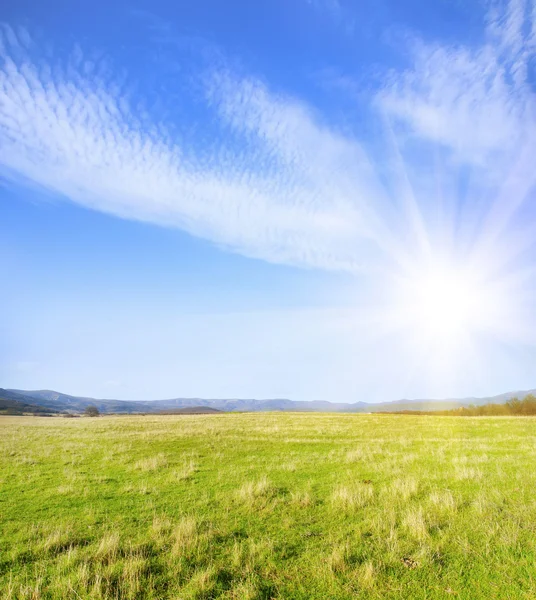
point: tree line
(514, 407)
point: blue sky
(311, 199)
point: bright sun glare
(446, 302)
(443, 304)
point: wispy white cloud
(291, 191)
(477, 104)
(275, 182)
(474, 100)
(462, 99)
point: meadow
(268, 505)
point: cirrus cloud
(291, 191)
(274, 181)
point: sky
(305, 199)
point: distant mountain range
(12, 403)
(58, 402)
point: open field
(268, 506)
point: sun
(444, 303)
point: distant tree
(91, 411)
(528, 405)
(514, 406)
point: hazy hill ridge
(64, 402)
(12, 403)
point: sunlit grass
(268, 506)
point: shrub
(92, 411)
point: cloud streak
(474, 105)
(286, 194)
(274, 181)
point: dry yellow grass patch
(143, 489)
(338, 559)
(290, 466)
(188, 468)
(108, 547)
(462, 473)
(248, 555)
(366, 575)
(57, 539)
(352, 497)
(132, 571)
(161, 526)
(301, 498)
(185, 535)
(27, 460)
(245, 590)
(415, 524)
(202, 582)
(66, 490)
(443, 501)
(486, 502)
(251, 491)
(403, 489)
(357, 455)
(152, 464)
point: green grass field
(268, 506)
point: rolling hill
(191, 410)
(12, 403)
(56, 401)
